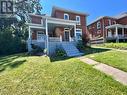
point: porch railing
(54, 39)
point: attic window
(66, 16)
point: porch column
(75, 32)
(29, 32)
(116, 31)
(117, 38)
(47, 38)
(122, 31)
(29, 39)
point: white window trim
(39, 40)
(67, 30)
(79, 32)
(109, 22)
(98, 25)
(66, 15)
(114, 22)
(79, 22)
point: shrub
(35, 50)
(80, 46)
(60, 53)
(11, 42)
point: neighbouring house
(107, 28)
(63, 29)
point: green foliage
(117, 59)
(11, 42)
(60, 53)
(35, 50)
(122, 46)
(80, 46)
(33, 75)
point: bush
(80, 46)
(35, 50)
(60, 53)
(11, 42)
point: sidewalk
(116, 74)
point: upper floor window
(78, 20)
(109, 22)
(98, 25)
(114, 22)
(66, 16)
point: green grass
(122, 46)
(23, 75)
(117, 59)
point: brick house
(63, 29)
(108, 28)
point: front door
(67, 35)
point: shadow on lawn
(92, 50)
(53, 59)
(8, 61)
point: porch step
(71, 50)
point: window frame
(79, 22)
(65, 14)
(78, 32)
(98, 23)
(109, 22)
(43, 35)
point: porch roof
(116, 25)
(32, 25)
(57, 20)
(60, 21)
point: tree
(13, 31)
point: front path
(117, 74)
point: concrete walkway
(116, 74)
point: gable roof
(124, 14)
(101, 17)
(67, 10)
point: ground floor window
(40, 36)
(78, 34)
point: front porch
(55, 33)
(116, 32)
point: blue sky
(94, 8)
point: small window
(40, 36)
(114, 22)
(79, 34)
(66, 16)
(78, 20)
(109, 22)
(99, 31)
(98, 25)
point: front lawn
(117, 59)
(122, 46)
(23, 75)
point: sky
(95, 8)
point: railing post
(60, 38)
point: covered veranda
(116, 32)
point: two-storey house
(62, 29)
(107, 28)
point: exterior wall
(122, 21)
(35, 19)
(72, 16)
(98, 33)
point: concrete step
(71, 50)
